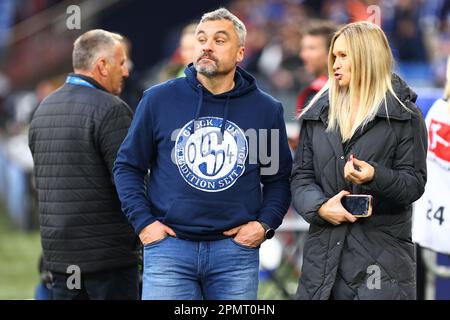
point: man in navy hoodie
(210, 141)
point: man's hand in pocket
(154, 232)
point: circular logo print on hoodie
(208, 160)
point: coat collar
(90, 80)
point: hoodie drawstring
(224, 122)
(199, 108)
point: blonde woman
(361, 134)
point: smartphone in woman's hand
(359, 205)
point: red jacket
(309, 92)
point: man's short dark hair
(322, 28)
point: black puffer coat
(344, 261)
(74, 137)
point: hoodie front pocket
(206, 217)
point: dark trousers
(421, 273)
(117, 284)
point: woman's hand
(358, 171)
(333, 211)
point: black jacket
(341, 260)
(74, 137)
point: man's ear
(240, 55)
(102, 67)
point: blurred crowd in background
(418, 30)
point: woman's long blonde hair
(371, 72)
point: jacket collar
(90, 80)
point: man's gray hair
(223, 13)
(92, 45)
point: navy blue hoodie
(204, 178)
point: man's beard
(208, 70)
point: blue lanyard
(78, 81)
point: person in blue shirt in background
(202, 213)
